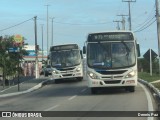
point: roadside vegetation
(149, 78)
(143, 67)
(146, 76)
(9, 61)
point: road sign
(15, 49)
(147, 55)
(18, 39)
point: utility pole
(158, 30)
(130, 21)
(52, 31)
(42, 41)
(117, 21)
(36, 49)
(47, 30)
(123, 21)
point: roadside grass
(146, 76)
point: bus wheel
(57, 81)
(80, 78)
(46, 74)
(93, 90)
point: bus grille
(112, 82)
(64, 69)
(111, 72)
(67, 75)
(112, 77)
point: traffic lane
(39, 99)
(105, 100)
(56, 96)
(86, 100)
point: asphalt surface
(76, 96)
(72, 96)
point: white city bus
(111, 60)
(66, 62)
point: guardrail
(156, 91)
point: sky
(74, 19)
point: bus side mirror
(48, 57)
(81, 54)
(138, 50)
(84, 49)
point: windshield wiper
(126, 46)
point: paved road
(75, 96)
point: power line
(145, 23)
(146, 27)
(81, 23)
(16, 25)
(77, 23)
(148, 22)
(148, 18)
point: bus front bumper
(67, 76)
(112, 83)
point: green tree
(9, 61)
(145, 65)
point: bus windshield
(65, 58)
(110, 55)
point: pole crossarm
(130, 21)
(123, 21)
(117, 21)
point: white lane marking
(51, 108)
(84, 90)
(150, 105)
(72, 97)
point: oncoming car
(46, 71)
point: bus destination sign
(64, 47)
(112, 36)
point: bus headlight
(92, 75)
(78, 69)
(55, 72)
(131, 74)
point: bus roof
(118, 35)
(64, 47)
(116, 31)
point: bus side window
(138, 50)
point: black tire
(46, 74)
(80, 78)
(94, 90)
(57, 81)
(130, 88)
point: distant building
(28, 64)
(31, 54)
